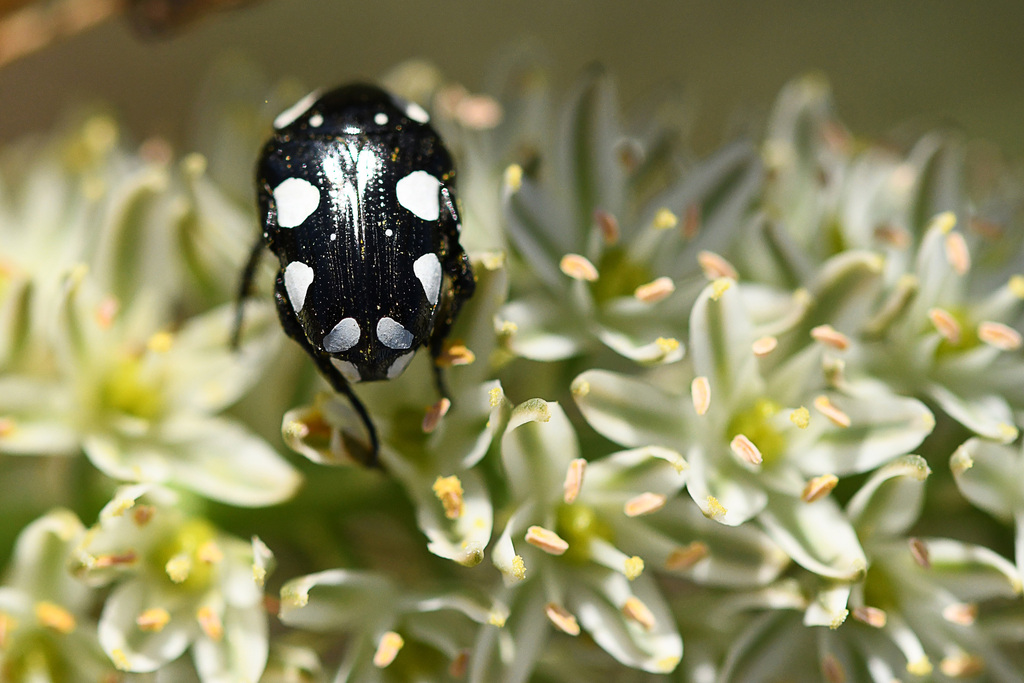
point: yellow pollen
(655, 291)
(946, 324)
(829, 336)
(920, 667)
(210, 623)
(667, 344)
(115, 559)
(745, 449)
(580, 388)
(763, 346)
(55, 617)
(387, 649)
(633, 567)
(639, 612)
(194, 164)
(700, 392)
(507, 328)
(962, 613)
(1016, 286)
(574, 480)
(497, 619)
(801, 417)
(720, 287)
(644, 504)
(563, 620)
(1000, 336)
(546, 540)
(664, 219)
(210, 553)
(120, 659)
(494, 397)
(7, 427)
(161, 342)
(153, 619)
(687, 556)
(578, 268)
(872, 616)
(518, 570)
(142, 514)
(434, 413)
(819, 487)
(837, 417)
(715, 266)
(715, 510)
(514, 177)
(957, 254)
(449, 491)
(455, 353)
(179, 567)
(944, 221)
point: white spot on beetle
(347, 369)
(288, 116)
(419, 192)
(381, 119)
(343, 337)
(400, 364)
(411, 109)
(295, 199)
(392, 335)
(297, 279)
(428, 270)
(316, 120)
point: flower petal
(136, 649)
(816, 535)
(891, 499)
(629, 411)
(336, 599)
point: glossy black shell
(363, 251)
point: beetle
(356, 194)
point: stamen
(455, 353)
(687, 556)
(1000, 336)
(872, 616)
(828, 335)
(210, 623)
(691, 222)
(563, 620)
(962, 613)
(387, 649)
(449, 491)
(644, 504)
(745, 449)
(763, 346)
(153, 619)
(655, 291)
(824, 406)
(608, 225)
(639, 612)
(715, 266)
(957, 254)
(946, 324)
(210, 553)
(819, 487)
(633, 567)
(700, 392)
(514, 178)
(801, 417)
(664, 219)
(578, 268)
(715, 510)
(434, 413)
(919, 551)
(55, 617)
(962, 665)
(574, 480)
(546, 540)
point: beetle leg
(456, 266)
(323, 363)
(244, 290)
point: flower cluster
(734, 417)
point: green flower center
(188, 558)
(578, 525)
(757, 423)
(619, 275)
(133, 389)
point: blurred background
(911, 64)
